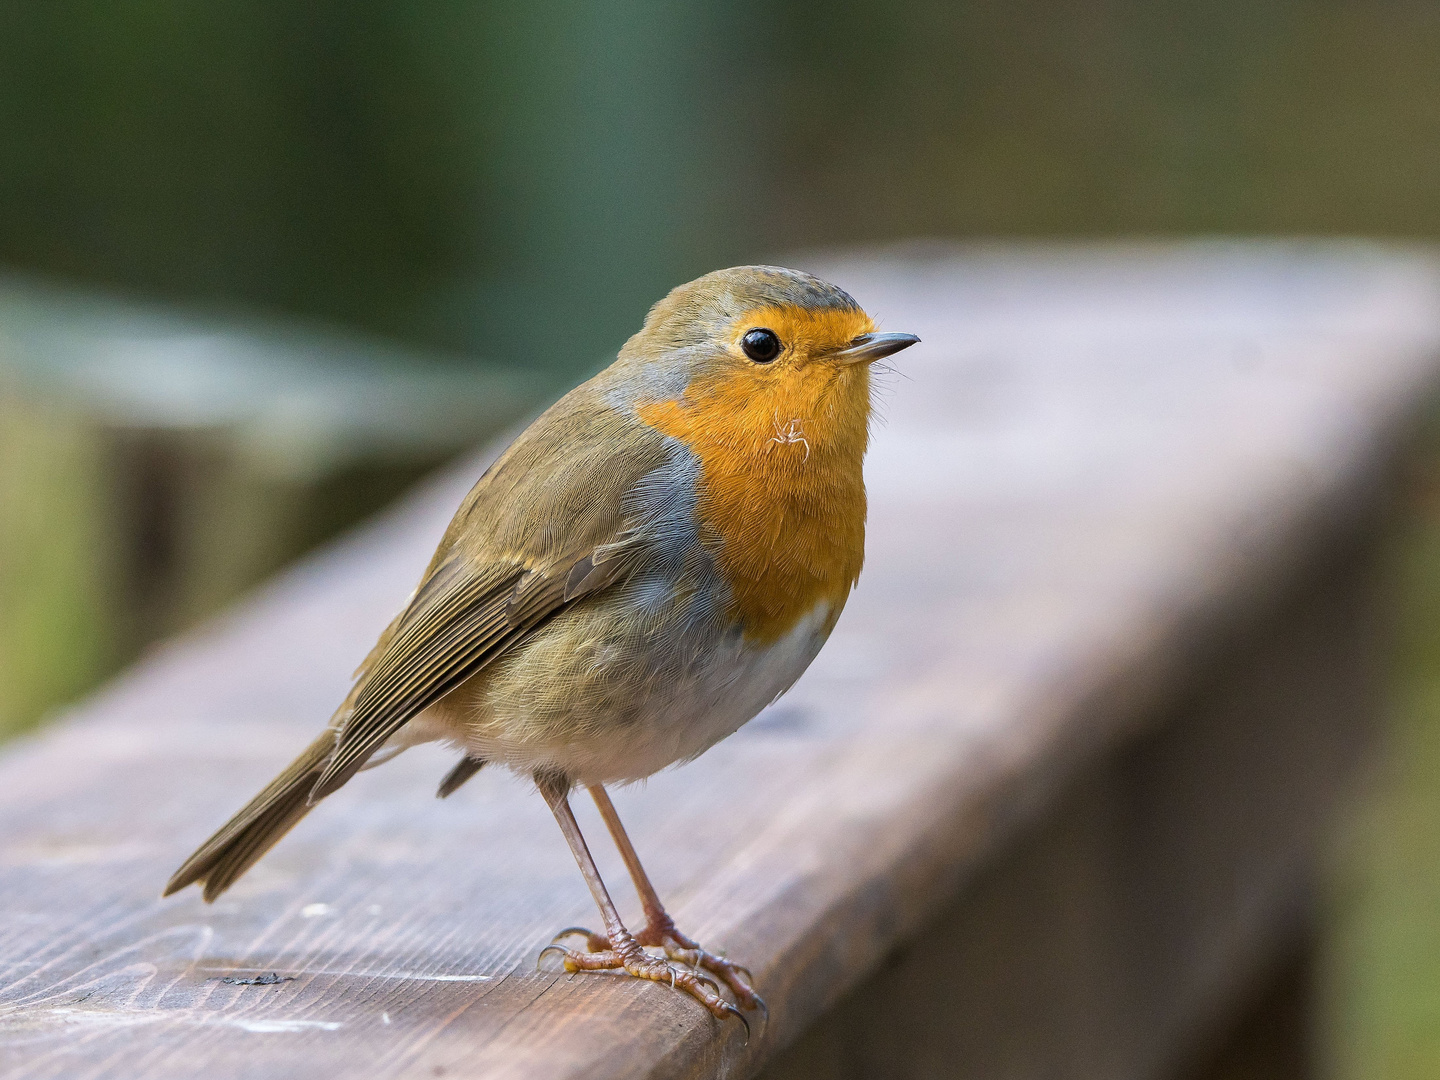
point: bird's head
(758, 354)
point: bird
(650, 563)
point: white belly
(720, 692)
(735, 686)
(529, 716)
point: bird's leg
(624, 952)
(660, 930)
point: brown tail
(255, 829)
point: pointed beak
(870, 347)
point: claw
(552, 947)
(760, 1004)
(733, 1011)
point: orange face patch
(806, 334)
(781, 445)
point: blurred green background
(401, 194)
(522, 180)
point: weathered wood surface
(1101, 466)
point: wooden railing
(1048, 804)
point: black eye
(761, 345)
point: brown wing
(460, 620)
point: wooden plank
(1101, 465)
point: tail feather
(241, 841)
(464, 769)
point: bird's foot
(661, 933)
(624, 953)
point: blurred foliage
(113, 537)
(521, 180)
(1132, 116)
(55, 600)
(1383, 1016)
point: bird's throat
(781, 501)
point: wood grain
(1099, 465)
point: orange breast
(782, 493)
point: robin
(653, 561)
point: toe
(587, 961)
(691, 979)
(735, 976)
(705, 992)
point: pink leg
(660, 930)
(621, 950)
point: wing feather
(462, 620)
